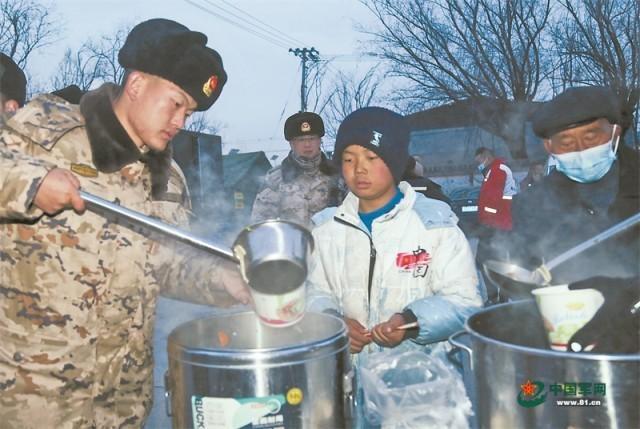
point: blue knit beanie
(380, 130)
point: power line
(284, 35)
(260, 28)
(278, 42)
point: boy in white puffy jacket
(388, 256)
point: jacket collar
(291, 170)
(111, 147)
(348, 210)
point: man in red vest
(498, 188)
(494, 206)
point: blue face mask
(587, 165)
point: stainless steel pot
(518, 380)
(230, 370)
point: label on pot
(228, 413)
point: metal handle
(349, 393)
(617, 228)
(167, 393)
(101, 206)
(459, 346)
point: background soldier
(305, 182)
(78, 293)
(13, 86)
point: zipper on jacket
(372, 255)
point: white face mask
(588, 165)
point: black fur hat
(171, 51)
(303, 124)
(13, 83)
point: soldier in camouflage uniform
(305, 182)
(13, 87)
(78, 292)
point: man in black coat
(594, 186)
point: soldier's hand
(386, 335)
(233, 283)
(59, 191)
(359, 336)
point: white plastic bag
(413, 389)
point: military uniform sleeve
(20, 177)
(188, 273)
(267, 202)
(197, 276)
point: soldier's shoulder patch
(84, 170)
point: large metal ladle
(518, 282)
(272, 254)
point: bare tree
(452, 50)
(350, 93)
(81, 68)
(106, 50)
(199, 123)
(95, 62)
(25, 25)
(316, 98)
(598, 43)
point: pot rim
(275, 221)
(253, 354)
(633, 357)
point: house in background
(199, 156)
(447, 137)
(243, 175)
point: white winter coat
(420, 260)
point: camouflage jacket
(78, 292)
(291, 193)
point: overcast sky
(264, 78)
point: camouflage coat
(291, 193)
(78, 292)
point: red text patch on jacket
(416, 261)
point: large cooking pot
(231, 371)
(518, 380)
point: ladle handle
(617, 228)
(100, 206)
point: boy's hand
(358, 335)
(386, 335)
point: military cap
(303, 124)
(13, 83)
(574, 107)
(380, 130)
(71, 94)
(170, 50)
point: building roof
(237, 166)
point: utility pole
(305, 55)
